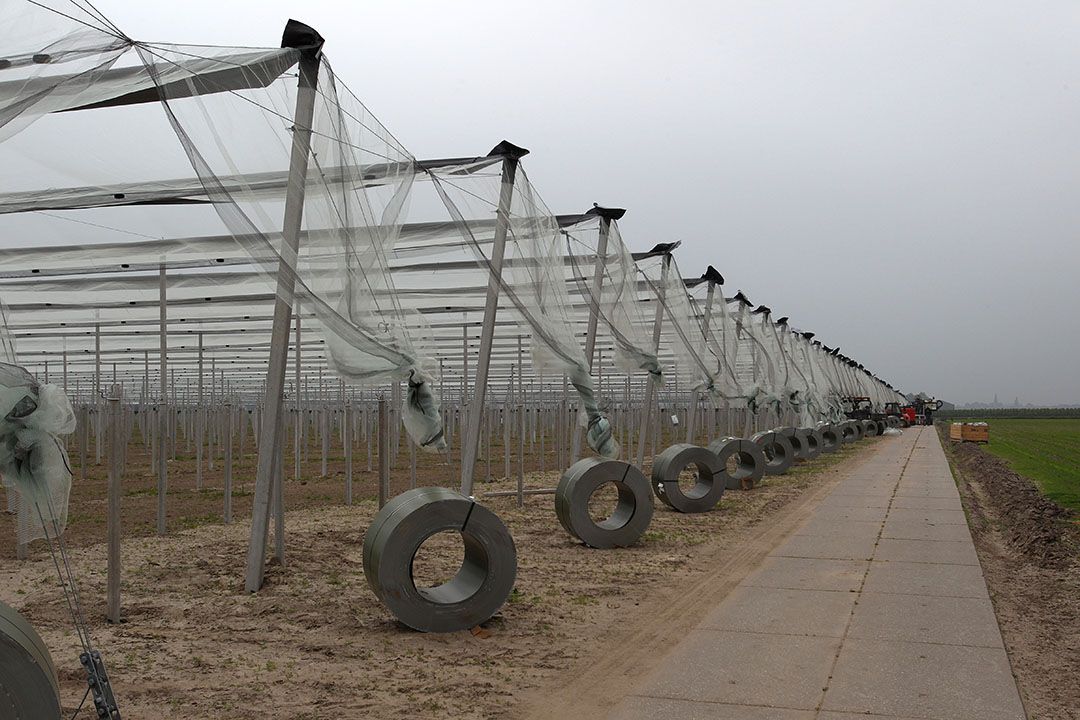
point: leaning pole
(309, 42)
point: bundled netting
(33, 463)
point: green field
(1047, 451)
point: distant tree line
(1005, 413)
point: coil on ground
(811, 440)
(747, 458)
(798, 442)
(633, 509)
(831, 437)
(711, 478)
(870, 428)
(28, 684)
(849, 433)
(479, 588)
(779, 455)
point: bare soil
(1029, 548)
(315, 643)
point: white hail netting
(801, 391)
(109, 174)
(721, 337)
(614, 298)
(681, 326)
(355, 194)
(817, 386)
(33, 463)
(533, 279)
(753, 365)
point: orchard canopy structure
(199, 227)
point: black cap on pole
(302, 37)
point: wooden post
(117, 438)
(269, 435)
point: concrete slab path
(876, 607)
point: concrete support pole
(269, 430)
(97, 394)
(163, 415)
(227, 510)
(507, 407)
(691, 417)
(650, 382)
(117, 438)
(521, 429)
(471, 440)
(199, 422)
(279, 495)
(595, 289)
(384, 453)
(297, 434)
(347, 438)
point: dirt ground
(315, 643)
(1029, 548)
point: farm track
(610, 672)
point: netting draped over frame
(616, 299)
(355, 192)
(533, 280)
(681, 325)
(51, 62)
(110, 168)
(753, 365)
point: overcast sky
(899, 177)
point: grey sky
(899, 177)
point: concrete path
(875, 608)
